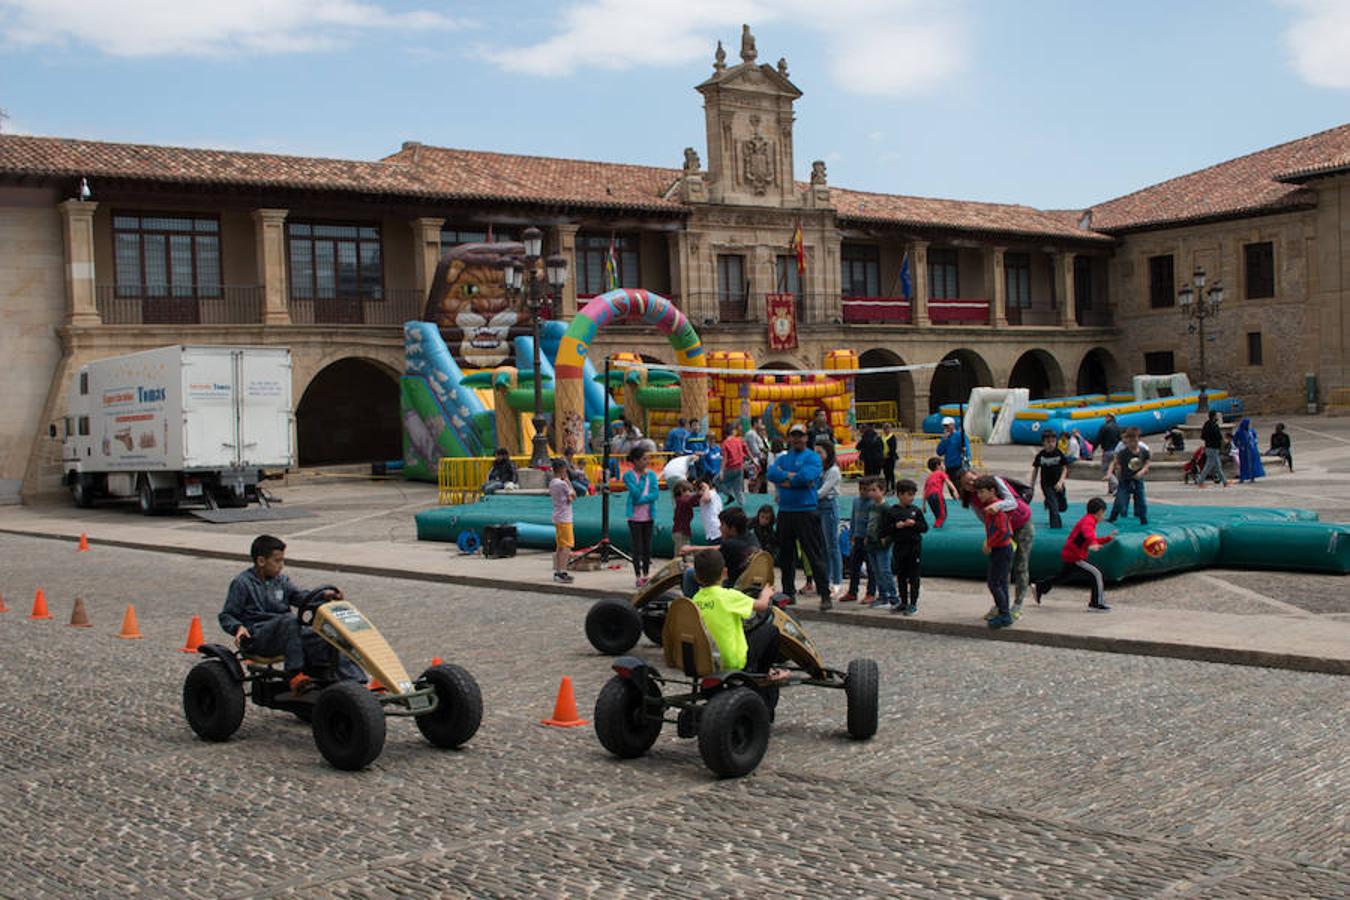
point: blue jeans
(1130, 487)
(733, 483)
(879, 564)
(1000, 563)
(829, 525)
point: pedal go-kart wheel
(861, 690)
(733, 732)
(459, 706)
(654, 618)
(619, 723)
(348, 725)
(613, 627)
(213, 701)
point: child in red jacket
(998, 544)
(1082, 541)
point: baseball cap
(798, 428)
(948, 420)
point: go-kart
(729, 711)
(613, 626)
(348, 719)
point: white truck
(180, 424)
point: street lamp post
(1199, 304)
(526, 278)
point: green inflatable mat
(1197, 536)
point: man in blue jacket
(675, 440)
(954, 448)
(796, 473)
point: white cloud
(142, 28)
(871, 46)
(1318, 39)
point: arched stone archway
(349, 413)
(1039, 372)
(1099, 373)
(897, 387)
(953, 384)
(780, 365)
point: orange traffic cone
(78, 617)
(3, 607)
(375, 685)
(194, 638)
(437, 661)
(565, 709)
(39, 606)
(130, 630)
(84, 542)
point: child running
(1130, 466)
(998, 545)
(643, 490)
(935, 486)
(1053, 465)
(1082, 541)
(907, 526)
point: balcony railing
(394, 308)
(160, 304)
(877, 310)
(958, 311)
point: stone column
(426, 253)
(1064, 290)
(998, 292)
(565, 239)
(918, 282)
(269, 227)
(77, 225)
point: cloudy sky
(1053, 103)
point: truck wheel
(213, 701)
(861, 689)
(145, 496)
(613, 627)
(82, 492)
(620, 722)
(459, 706)
(733, 732)
(348, 726)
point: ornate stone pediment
(758, 164)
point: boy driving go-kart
(258, 616)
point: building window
(161, 256)
(732, 289)
(1017, 279)
(84, 383)
(335, 262)
(861, 275)
(787, 281)
(454, 235)
(1260, 259)
(83, 426)
(592, 250)
(1162, 284)
(1082, 282)
(1254, 356)
(942, 275)
(1159, 362)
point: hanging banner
(782, 316)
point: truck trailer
(179, 425)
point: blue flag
(904, 276)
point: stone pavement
(999, 769)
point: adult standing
(871, 451)
(827, 507)
(796, 473)
(954, 448)
(733, 465)
(677, 438)
(1212, 435)
(891, 442)
(1108, 439)
(1024, 533)
(820, 428)
(1250, 466)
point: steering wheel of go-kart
(766, 616)
(311, 602)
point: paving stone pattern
(999, 770)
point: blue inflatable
(1149, 416)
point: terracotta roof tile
(965, 215)
(1243, 186)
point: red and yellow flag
(798, 246)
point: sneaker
(1036, 588)
(849, 597)
(869, 598)
(826, 606)
(642, 582)
(809, 586)
(564, 577)
(1099, 607)
(1002, 620)
(899, 608)
(910, 610)
(879, 604)
(1016, 612)
(992, 614)
(300, 683)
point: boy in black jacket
(906, 526)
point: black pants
(303, 649)
(1056, 502)
(905, 565)
(802, 527)
(1071, 570)
(1000, 564)
(640, 536)
(888, 470)
(857, 558)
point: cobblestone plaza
(1000, 769)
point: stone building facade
(112, 248)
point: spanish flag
(611, 266)
(798, 247)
